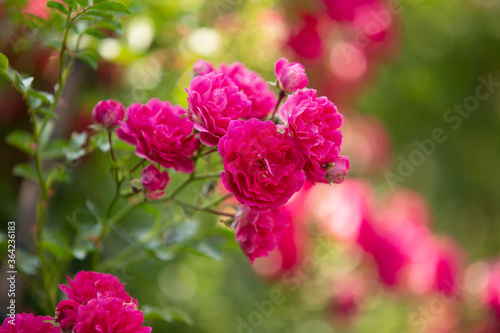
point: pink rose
(160, 134)
(108, 113)
(109, 315)
(337, 170)
(253, 86)
(89, 285)
(291, 76)
(202, 66)
(66, 314)
(263, 169)
(213, 101)
(314, 124)
(28, 323)
(154, 181)
(306, 42)
(258, 233)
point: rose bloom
(314, 124)
(258, 233)
(160, 134)
(109, 315)
(89, 285)
(291, 76)
(108, 113)
(213, 101)
(66, 314)
(253, 86)
(154, 181)
(262, 167)
(28, 323)
(202, 66)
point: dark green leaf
(22, 140)
(112, 6)
(90, 58)
(25, 170)
(72, 4)
(93, 32)
(4, 62)
(58, 6)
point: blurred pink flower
(213, 101)
(314, 124)
(345, 10)
(108, 113)
(262, 167)
(109, 315)
(154, 181)
(37, 8)
(491, 291)
(28, 323)
(160, 134)
(202, 66)
(345, 303)
(291, 76)
(306, 42)
(89, 285)
(253, 86)
(258, 233)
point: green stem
(280, 98)
(207, 175)
(202, 209)
(181, 186)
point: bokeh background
(418, 84)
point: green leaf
(60, 253)
(208, 250)
(97, 13)
(57, 174)
(83, 3)
(26, 262)
(75, 150)
(22, 140)
(112, 6)
(94, 33)
(181, 232)
(153, 210)
(46, 134)
(4, 62)
(167, 315)
(100, 141)
(42, 95)
(25, 170)
(58, 6)
(55, 149)
(91, 58)
(72, 4)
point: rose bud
(202, 66)
(291, 76)
(154, 181)
(108, 113)
(337, 170)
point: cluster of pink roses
(266, 160)
(97, 302)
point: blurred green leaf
(46, 134)
(55, 149)
(181, 232)
(22, 140)
(75, 150)
(4, 62)
(100, 141)
(98, 13)
(208, 250)
(94, 33)
(112, 6)
(83, 3)
(153, 210)
(25, 170)
(89, 57)
(57, 174)
(72, 4)
(167, 315)
(58, 6)
(26, 262)
(60, 253)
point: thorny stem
(280, 99)
(202, 209)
